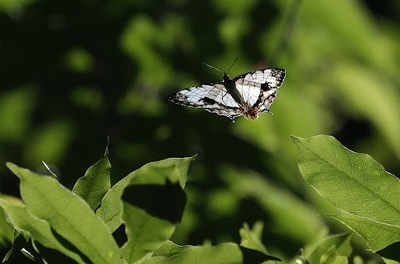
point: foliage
(363, 193)
(150, 204)
(73, 73)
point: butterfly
(245, 95)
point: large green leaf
(38, 229)
(151, 173)
(153, 204)
(377, 234)
(146, 233)
(68, 215)
(143, 239)
(95, 183)
(356, 185)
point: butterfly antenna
(232, 65)
(212, 67)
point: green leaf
(6, 230)
(68, 215)
(151, 211)
(38, 229)
(322, 248)
(390, 261)
(331, 257)
(377, 235)
(151, 173)
(95, 183)
(142, 242)
(356, 185)
(145, 233)
(251, 238)
(226, 253)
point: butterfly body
(245, 95)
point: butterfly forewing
(204, 95)
(272, 77)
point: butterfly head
(226, 77)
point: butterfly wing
(259, 88)
(213, 98)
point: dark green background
(73, 73)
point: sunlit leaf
(329, 247)
(228, 253)
(151, 173)
(251, 238)
(6, 230)
(95, 183)
(151, 213)
(68, 215)
(38, 229)
(355, 184)
(153, 204)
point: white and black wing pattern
(248, 94)
(213, 97)
(260, 87)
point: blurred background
(74, 72)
